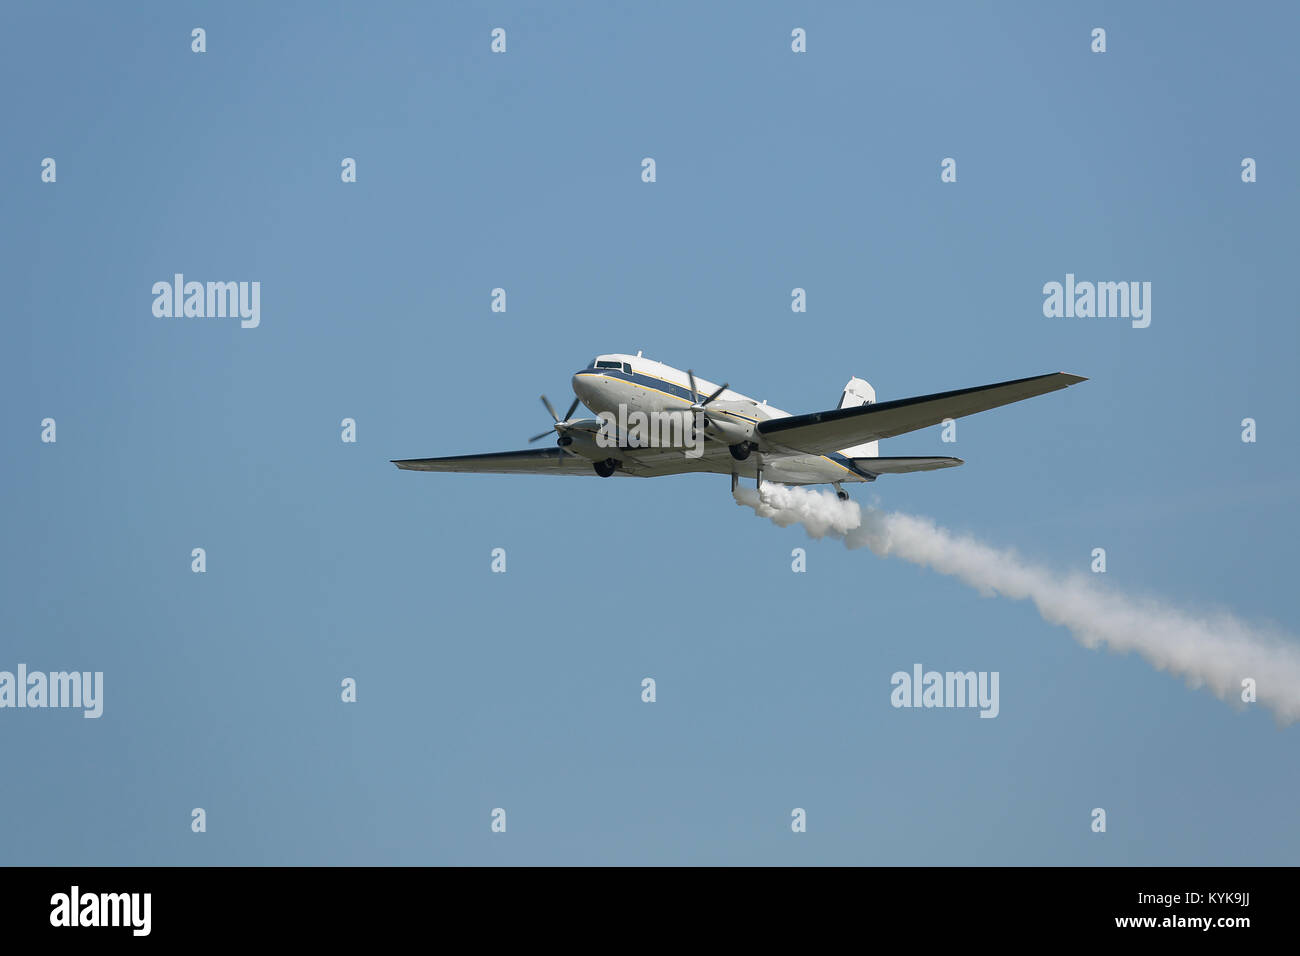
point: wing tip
(1071, 378)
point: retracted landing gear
(840, 492)
(605, 468)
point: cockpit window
(615, 365)
(627, 367)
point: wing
(529, 461)
(823, 432)
(636, 463)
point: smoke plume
(1207, 649)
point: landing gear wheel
(740, 452)
(843, 495)
(605, 468)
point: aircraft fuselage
(618, 384)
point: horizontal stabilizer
(901, 466)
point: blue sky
(522, 690)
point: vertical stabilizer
(859, 392)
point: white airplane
(724, 432)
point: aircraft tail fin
(859, 392)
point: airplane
(724, 432)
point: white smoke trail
(1211, 649)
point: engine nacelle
(584, 443)
(729, 430)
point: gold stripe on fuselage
(720, 411)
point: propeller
(559, 422)
(695, 393)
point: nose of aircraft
(581, 387)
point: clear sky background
(522, 690)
